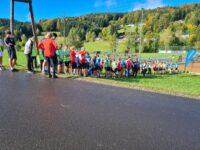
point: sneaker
(50, 76)
(55, 77)
(29, 72)
(1, 68)
(15, 70)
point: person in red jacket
(82, 61)
(73, 60)
(49, 47)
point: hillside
(162, 28)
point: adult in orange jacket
(49, 47)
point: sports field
(177, 84)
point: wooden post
(12, 16)
(32, 17)
(33, 24)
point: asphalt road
(41, 114)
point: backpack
(98, 61)
(119, 65)
(129, 64)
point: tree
(90, 37)
(105, 33)
(131, 43)
(197, 45)
(165, 37)
(113, 42)
(74, 38)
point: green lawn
(177, 84)
(21, 60)
(186, 84)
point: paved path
(41, 114)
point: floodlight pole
(141, 28)
(65, 32)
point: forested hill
(166, 26)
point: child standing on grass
(28, 53)
(82, 62)
(10, 44)
(128, 67)
(120, 68)
(176, 67)
(155, 67)
(87, 62)
(149, 68)
(78, 63)
(98, 65)
(1, 53)
(41, 58)
(67, 59)
(60, 57)
(34, 58)
(136, 67)
(171, 68)
(114, 68)
(144, 69)
(73, 60)
(107, 65)
(93, 64)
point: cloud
(148, 4)
(106, 3)
(98, 3)
(110, 3)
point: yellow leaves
(191, 27)
(192, 38)
(171, 10)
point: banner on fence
(189, 57)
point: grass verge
(177, 84)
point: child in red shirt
(73, 60)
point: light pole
(64, 30)
(141, 28)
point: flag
(189, 57)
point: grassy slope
(183, 83)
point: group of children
(82, 63)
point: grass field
(184, 84)
(103, 46)
(177, 84)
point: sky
(45, 9)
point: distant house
(131, 25)
(185, 36)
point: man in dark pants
(55, 58)
(49, 47)
(136, 68)
(10, 44)
(28, 52)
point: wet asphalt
(41, 114)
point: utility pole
(141, 28)
(12, 16)
(65, 42)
